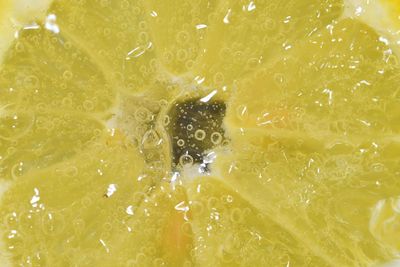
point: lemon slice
(214, 133)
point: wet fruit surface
(199, 133)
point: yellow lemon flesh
(199, 133)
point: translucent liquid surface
(199, 133)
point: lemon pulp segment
(199, 133)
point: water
(207, 133)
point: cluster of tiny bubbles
(229, 221)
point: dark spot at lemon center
(195, 127)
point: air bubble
(143, 25)
(218, 78)
(107, 227)
(226, 257)
(67, 45)
(189, 127)
(71, 171)
(150, 139)
(200, 134)
(212, 202)
(86, 202)
(216, 138)
(53, 223)
(182, 55)
(141, 258)
(10, 220)
(67, 75)
(131, 263)
(18, 170)
(189, 64)
(186, 160)
(66, 102)
(41, 107)
(168, 57)
(236, 215)
(252, 63)
(144, 37)
(182, 37)
(20, 47)
(163, 103)
(158, 262)
(88, 105)
(124, 4)
(13, 125)
(136, 10)
(104, 3)
(180, 142)
(142, 114)
(187, 263)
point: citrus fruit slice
(208, 133)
